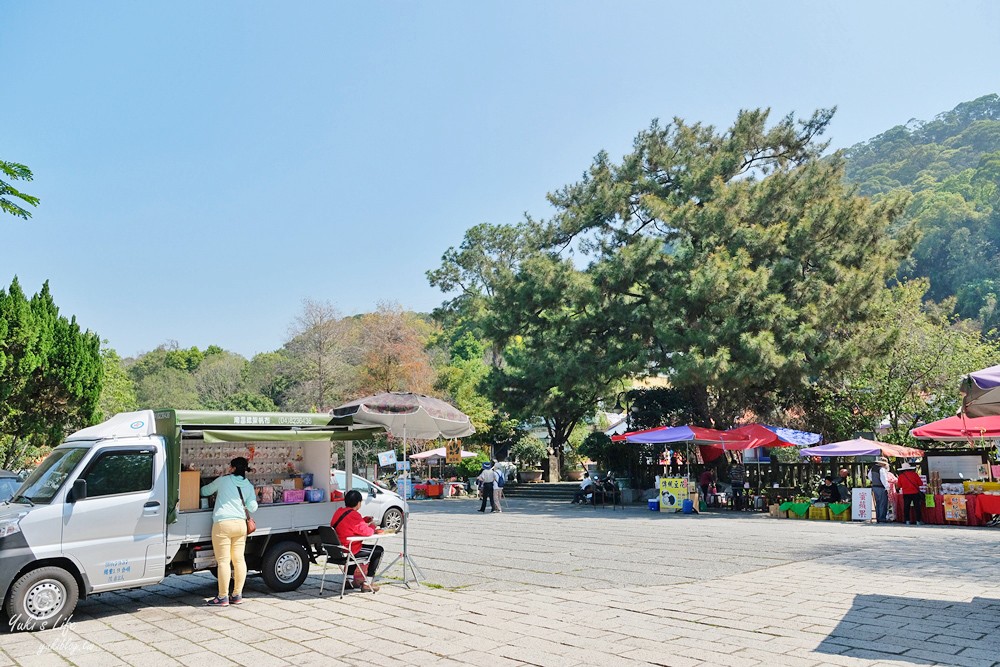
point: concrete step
(546, 490)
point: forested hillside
(951, 165)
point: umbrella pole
(405, 555)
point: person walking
(909, 484)
(487, 478)
(235, 496)
(498, 487)
(879, 476)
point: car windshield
(42, 484)
(8, 485)
(356, 482)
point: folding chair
(341, 556)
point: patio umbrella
(981, 393)
(410, 416)
(959, 429)
(862, 447)
(686, 434)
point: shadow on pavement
(917, 631)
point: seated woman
(348, 522)
(828, 491)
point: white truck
(103, 511)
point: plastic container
(654, 505)
(314, 495)
(819, 513)
(293, 496)
(687, 507)
(307, 479)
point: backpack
(500, 480)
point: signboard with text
(673, 493)
(862, 505)
(387, 459)
(453, 452)
(954, 508)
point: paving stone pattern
(552, 584)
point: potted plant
(573, 464)
(529, 452)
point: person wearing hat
(879, 476)
(909, 484)
(487, 478)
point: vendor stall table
(935, 515)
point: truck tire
(285, 566)
(42, 599)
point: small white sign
(387, 459)
(862, 505)
(402, 465)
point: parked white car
(385, 507)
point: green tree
(319, 346)
(741, 257)
(50, 375)
(117, 389)
(15, 172)
(913, 358)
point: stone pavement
(554, 584)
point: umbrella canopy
(861, 447)
(409, 415)
(759, 435)
(439, 453)
(981, 393)
(958, 429)
(666, 434)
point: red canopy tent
(959, 429)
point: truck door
(117, 533)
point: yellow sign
(673, 493)
(454, 452)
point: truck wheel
(393, 518)
(285, 566)
(43, 598)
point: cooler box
(654, 504)
(190, 490)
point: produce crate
(819, 513)
(775, 511)
(843, 516)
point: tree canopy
(8, 193)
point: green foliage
(737, 260)
(15, 172)
(473, 465)
(50, 375)
(952, 165)
(529, 451)
(117, 390)
(609, 455)
(913, 358)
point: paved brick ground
(551, 584)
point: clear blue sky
(205, 166)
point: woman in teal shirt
(229, 528)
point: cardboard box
(190, 491)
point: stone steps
(542, 490)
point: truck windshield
(42, 484)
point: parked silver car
(385, 507)
(9, 483)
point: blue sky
(203, 167)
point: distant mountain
(951, 165)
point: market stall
(968, 493)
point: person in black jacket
(828, 491)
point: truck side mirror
(79, 491)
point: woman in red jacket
(909, 485)
(348, 522)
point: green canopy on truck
(217, 426)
